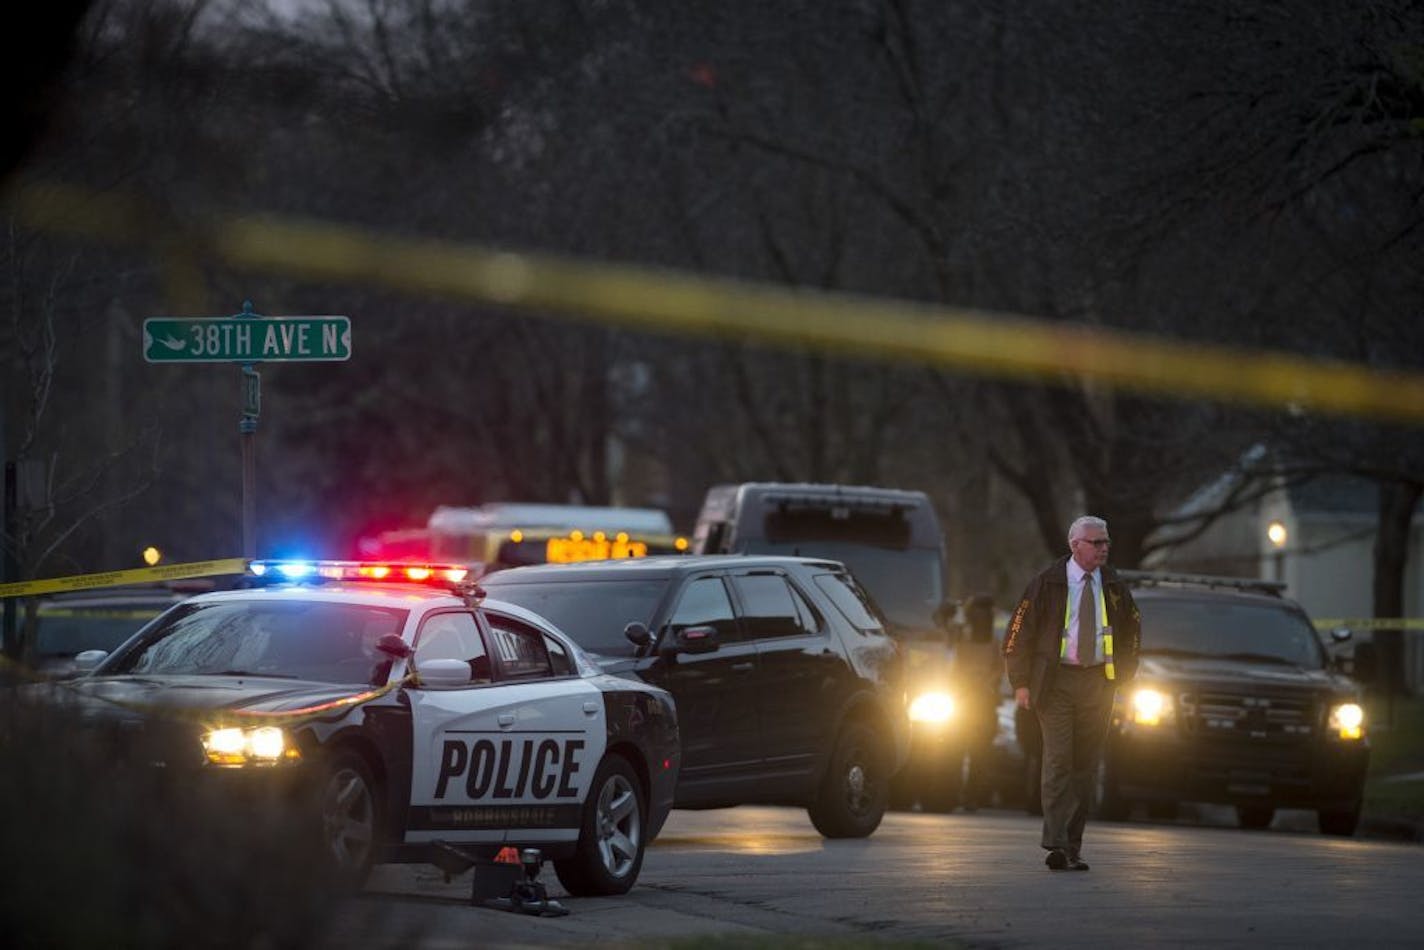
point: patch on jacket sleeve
(1015, 627)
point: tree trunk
(1397, 503)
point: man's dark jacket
(1031, 644)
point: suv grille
(1282, 718)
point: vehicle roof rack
(1155, 579)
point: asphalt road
(975, 880)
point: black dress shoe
(1057, 860)
(1077, 864)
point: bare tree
(70, 471)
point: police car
(423, 719)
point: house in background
(1318, 538)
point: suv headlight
(1347, 721)
(262, 745)
(1150, 707)
(933, 706)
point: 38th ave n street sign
(244, 339)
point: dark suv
(1236, 702)
(788, 689)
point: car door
(509, 758)
(560, 736)
(715, 692)
(802, 677)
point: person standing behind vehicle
(1072, 641)
(977, 670)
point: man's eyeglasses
(1096, 542)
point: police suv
(424, 720)
(1236, 702)
(890, 539)
(788, 689)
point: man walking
(1072, 641)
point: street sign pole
(247, 338)
(247, 434)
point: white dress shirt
(1075, 594)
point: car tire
(1341, 822)
(349, 820)
(612, 834)
(855, 789)
(1255, 817)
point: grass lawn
(1396, 749)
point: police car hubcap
(348, 818)
(618, 825)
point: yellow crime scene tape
(287, 717)
(218, 717)
(978, 342)
(1371, 623)
(138, 575)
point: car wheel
(1254, 817)
(349, 819)
(1339, 822)
(611, 839)
(855, 790)
(1112, 806)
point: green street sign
(244, 339)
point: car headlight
(1150, 707)
(1347, 721)
(262, 745)
(932, 707)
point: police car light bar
(297, 570)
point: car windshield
(1192, 627)
(906, 585)
(593, 613)
(308, 640)
(65, 631)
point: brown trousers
(1074, 719)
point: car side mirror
(87, 660)
(692, 641)
(638, 635)
(1341, 634)
(392, 645)
(445, 673)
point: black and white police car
(421, 717)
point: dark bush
(101, 849)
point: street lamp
(1276, 533)
(151, 555)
